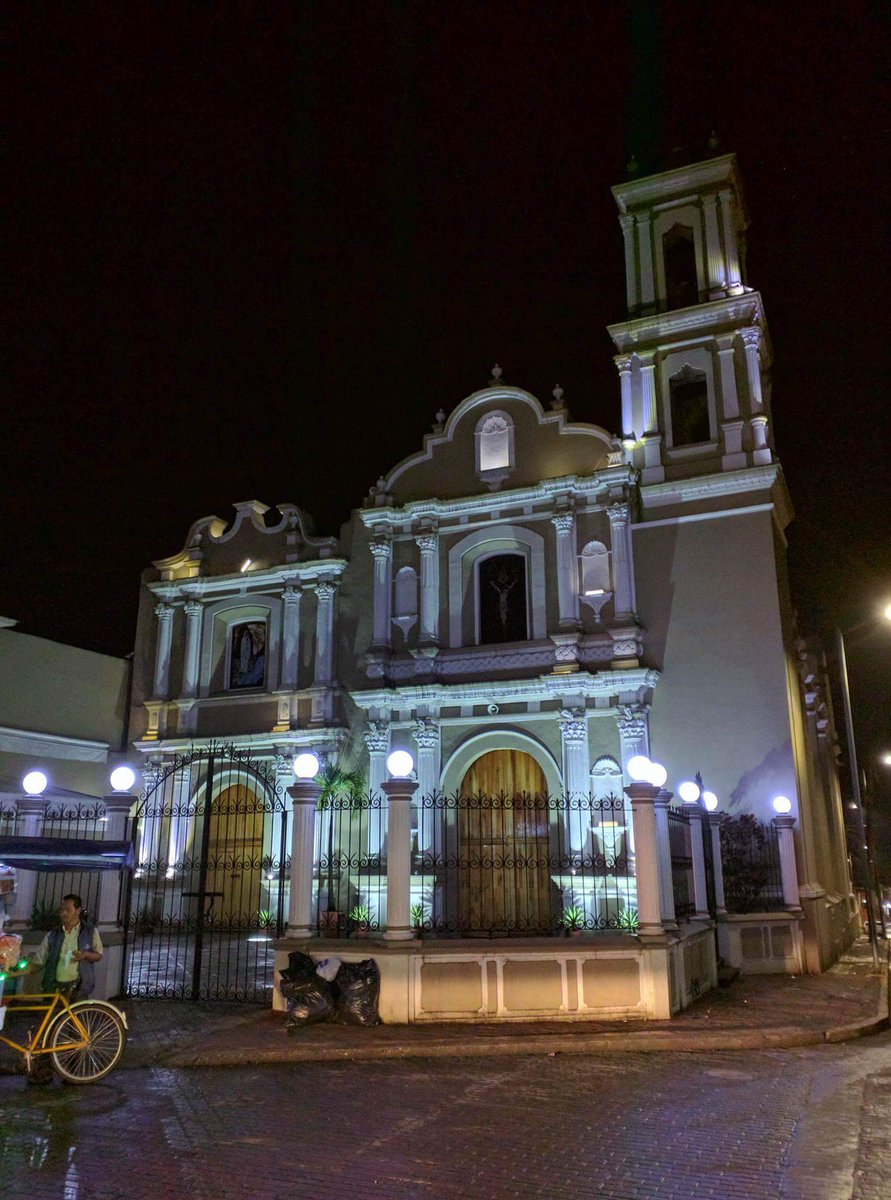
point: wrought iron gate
(210, 892)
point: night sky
(256, 246)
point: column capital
(291, 595)
(563, 522)
(619, 513)
(163, 611)
(573, 725)
(623, 363)
(426, 734)
(626, 221)
(751, 336)
(377, 736)
(325, 590)
(381, 548)
(632, 720)
(193, 608)
(427, 542)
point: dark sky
(256, 246)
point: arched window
(689, 408)
(503, 616)
(405, 598)
(247, 655)
(494, 448)
(679, 258)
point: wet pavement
(802, 1124)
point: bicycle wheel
(91, 1059)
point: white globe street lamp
(35, 783)
(658, 775)
(782, 805)
(689, 791)
(400, 764)
(639, 768)
(306, 766)
(122, 779)
(710, 800)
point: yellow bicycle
(84, 1040)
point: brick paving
(806, 1124)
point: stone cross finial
(557, 393)
(496, 376)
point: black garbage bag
(309, 997)
(359, 991)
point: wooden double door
(504, 881)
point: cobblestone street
(809, 1124)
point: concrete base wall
(572, 979)
(763, 943)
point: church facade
(527, 602)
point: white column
(382, 552)
(304, 802)
(623, 567)
(760, 448)
(182, 821)
(714, 257)
(648, 394)
(161, 689)
(290, 638)
(149, 824)
(576, 780)
(731, 256)
(751, 339)
(191, 662)
(647, 281)
(714, 823)
(647, 859)
(428, 743)
(626, 220)
(788, 867)
(697, 852)
(324, 633)
(30, 815)
(117, 811)
(727, 365)
(377, 742)
(661, 804)
(567, 571)
(399, 793)
(624, 367)
(428, 544)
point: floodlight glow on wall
(306, 766)
(658, 775)
(710, 800)
(122, 779)
(34, 783)
(400, 764)
(782, 804)
(688, 791)
(245, 565)
(639, 768)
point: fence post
(399, 794)
(30, 816)
(117, 810)
(304, 800)
(714, 821)
(647, 859)
(696, 815)
(662, 801)
(788, 869)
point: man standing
(67, 954)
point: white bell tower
(694, 354)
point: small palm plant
(573, 917)
(337, 785)
(629, 920)
(418, 915)
(361, 916)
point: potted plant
(418, 918)
(573, 920)
(360, 920)
(628, 920)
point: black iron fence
(750, 856)
(497, 865)
(350, 879)
(679, 841)
(69, 820)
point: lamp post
(862, 853)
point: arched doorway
(504, 883)
(235, 854)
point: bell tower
(694, 354)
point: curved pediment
(496, 439)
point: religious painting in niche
(247, 658)
(502, 593)
(689, 408)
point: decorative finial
(439, 421)
(557, 393)
(616, 454)
(632, 166)
(496, 376)
(713, 141)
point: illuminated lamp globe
(400, 764)
(639, 768)
(688, 791)
(710, 800)
(34, 783)
(122, 779)
(658, 775)
(782, 804)
(306, 766)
